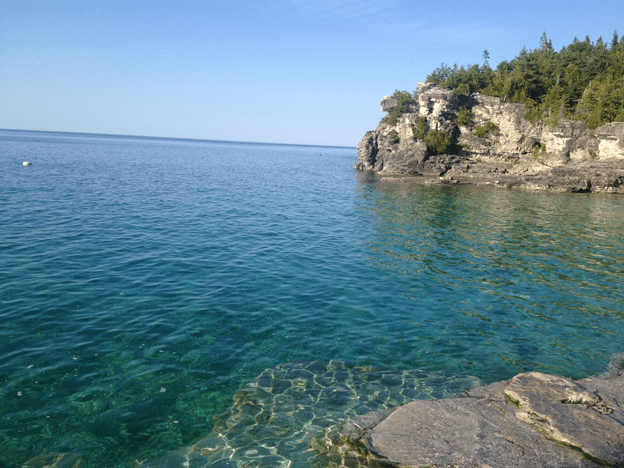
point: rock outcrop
(533, 420)
(501, 147)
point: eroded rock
(532, 420)
(566, 157)
(569, 413)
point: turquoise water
(146, 282)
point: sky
(278, 71)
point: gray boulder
(532, 420)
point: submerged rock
(332, 415)
(55, 460)
(291, 415)
(500, 144)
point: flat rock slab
(532, 420)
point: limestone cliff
(565, 157)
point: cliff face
(565, 157)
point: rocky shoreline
(498, 146)
(532, 420)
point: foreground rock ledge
(532, 420)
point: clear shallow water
(143, 282)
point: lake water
(149, 286)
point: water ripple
(144, 281)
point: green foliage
(486, 58)
(482, 131)
(421, 128)
(491, 127)
(593, 155)
(462, 80)
(462, 90)
(582, 81)
(394, 135)
(538, 148)
(602, 101)
(464, 117)
(404, 99)
(440, 74)
(437, 142)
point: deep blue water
(144, 280)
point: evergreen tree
(583, 81)
(486, 59)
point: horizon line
(175, 138)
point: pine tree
(583, 81)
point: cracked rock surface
(532, 420)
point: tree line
(584, 81)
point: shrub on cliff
(421, 128)
(437, 142)
(464, 117)
(403, 98)
(462, 89)
(538, 148)
(482, 131)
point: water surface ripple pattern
(143, 281)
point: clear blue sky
(285, 71)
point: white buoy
(27, 163)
